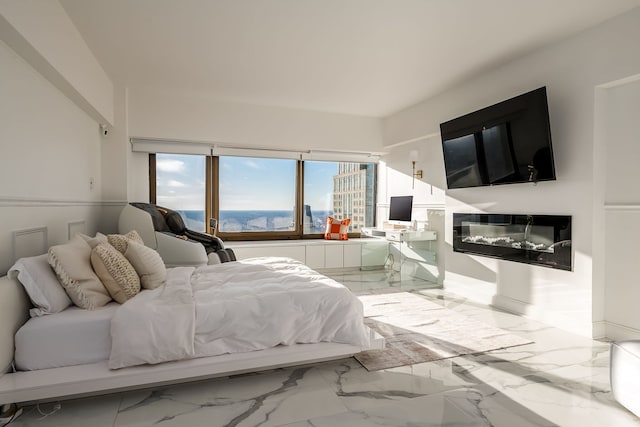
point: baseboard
(617, 332)
(599, 330)
(512, 305)
(480, 292)
(558, 319)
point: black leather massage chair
(164, 230)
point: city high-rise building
(354, 194)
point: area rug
(417, 330)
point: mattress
(71, 337)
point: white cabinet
(315, 256)
(243, 251)
(352, 255)
(334, 255)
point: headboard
(14, 312)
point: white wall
(196, 117)
(115, 158)
(50, 149)
(621, 209)
(43, 34)
(395, 179)
(571, 70)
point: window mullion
(152, 178)
(208, 191)
(300, 198)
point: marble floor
(559, 380)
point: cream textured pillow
(72, 265)
(120, 241)
(116, 273)
(148, 265)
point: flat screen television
(400, 208)
(509, 142)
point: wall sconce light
(413, 156)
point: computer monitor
(400, 210)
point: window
(318, 195)
(180, 185)
(256, 195)
(263, 198)
(338, 189)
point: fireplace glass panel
(534, 239)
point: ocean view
(240, 220)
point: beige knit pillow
(116, 273)
(72, 265)
(148, 265)
(119, 241)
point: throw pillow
(117, 274)
(337, 229)
(72, 265)
(94, 241)
(148, 265)
(120, 241)
(41, 284)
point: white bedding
(234, 307)
(71, 337)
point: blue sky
(245, 183)
(318, 189)
(180, 181)
(257, 184)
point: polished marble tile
(560, 379)
(360, 389)
(101, 410)
(268, 399)
(421, 411)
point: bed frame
(97, 378)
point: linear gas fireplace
(533, 239)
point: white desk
(410, 253)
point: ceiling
(362, 57)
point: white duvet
(234, 307)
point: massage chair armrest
(204, 238)
(176, 251)
(132, 218)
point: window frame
(256, 235)
(153, 188)
(212, 202)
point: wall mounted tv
(400, 208)
(509, 142)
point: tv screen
(400, 208)
(505, 143)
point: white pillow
(41, 284)
(72, 265)
(94, 241)
(148, 265)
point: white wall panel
(571, 71)
(50, 151)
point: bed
(80, 352)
